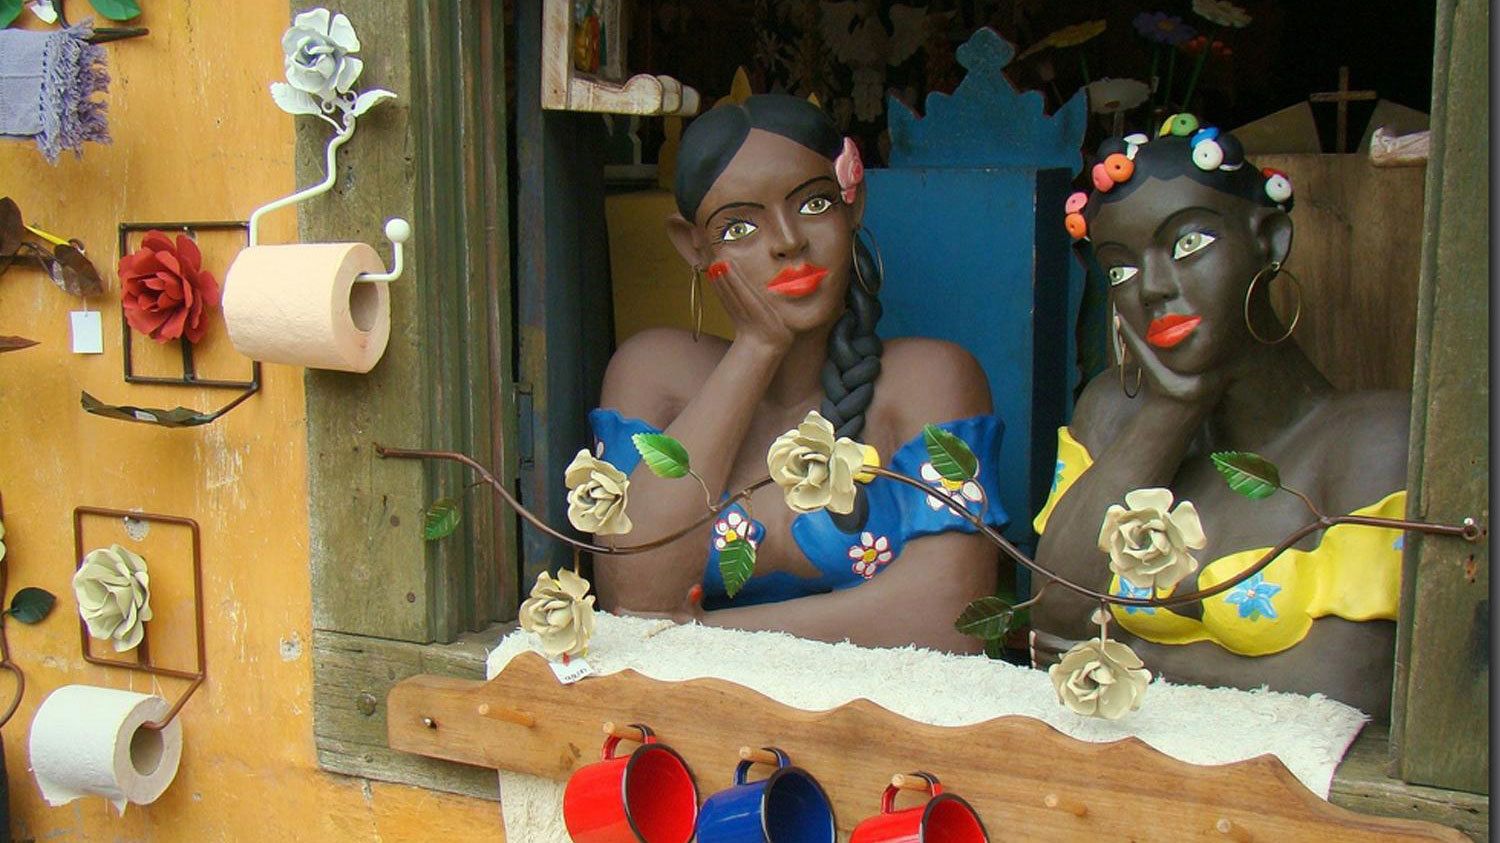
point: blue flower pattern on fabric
(1144, 592)
(1057, 477)
(1400, 542)
(1253, 596)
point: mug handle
(743, 768)
(613, 741)
(888, 801)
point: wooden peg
(759, 756)
(906, 781)
(1063, 803)
(625, 733)
(507, 715)
(1237, 833)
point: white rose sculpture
(114, 596)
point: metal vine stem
(1468, 531)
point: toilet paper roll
(88, 741)
(299, 304)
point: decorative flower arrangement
(960, 492)
(114, 595)
(1108, 96)
(560, 611)
(1068, 36)
(1100, 678)
(1148, 541)
(164, 289)
(735, 527)
(321, 68)
(596, 496)
(814, 470)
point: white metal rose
(1100, 678)
(1147, 544)
(114, 595)
(814, 470)
(596, 496)
(321, 68)
(561, 612)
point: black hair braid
(854, 350)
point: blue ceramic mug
(788, 807)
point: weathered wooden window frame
(381, 595)
(376, 612)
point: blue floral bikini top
(898, 513)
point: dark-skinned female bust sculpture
(1191, 237)
(770, 199)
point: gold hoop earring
(1122, 355)
(695, 301)
(879, 261)
(1275, 269)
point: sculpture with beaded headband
(1209, 383)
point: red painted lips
(798, 281)
(1172, 329)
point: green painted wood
(1362, 783)
(1440, 720)
(437, 157)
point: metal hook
(398, 231)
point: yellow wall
(196, 137)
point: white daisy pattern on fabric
(961, 494)
(733, 526)
(871, 552)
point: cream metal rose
(1100, 678)
(1148, 542)
(114, 595)
(814, 470)
(596, 496)
(561, 612)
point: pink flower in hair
(849, 169)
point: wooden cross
(1343, 96)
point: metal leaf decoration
(15, 344)
(116, 9)
(664, 455)
(736, 564)
(949, 454)
(988, 618)
(31, 605)
(440, 519)
(1249, 474)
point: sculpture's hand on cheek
(749, 306)
(1203, 389)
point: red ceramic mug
(945, 818)
(647, 796)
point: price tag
(571, 672)
(88, 332)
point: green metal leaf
(31, 605)
(9, 11)
(988, 618)
(116, 9)
(736, 564)
(664, 455)
(1249, 474)
(440, 519)
(950, 455)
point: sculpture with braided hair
(770, 199)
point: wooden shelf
(565, 89)
(1007, 767)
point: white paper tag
(88, 332)
(571, 672)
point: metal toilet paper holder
(144, 662)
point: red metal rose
(165, 290)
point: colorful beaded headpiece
(1211, 152)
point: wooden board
(1357, 249)
(1005, 767)
(1442, 696)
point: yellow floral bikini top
(1353, 573)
